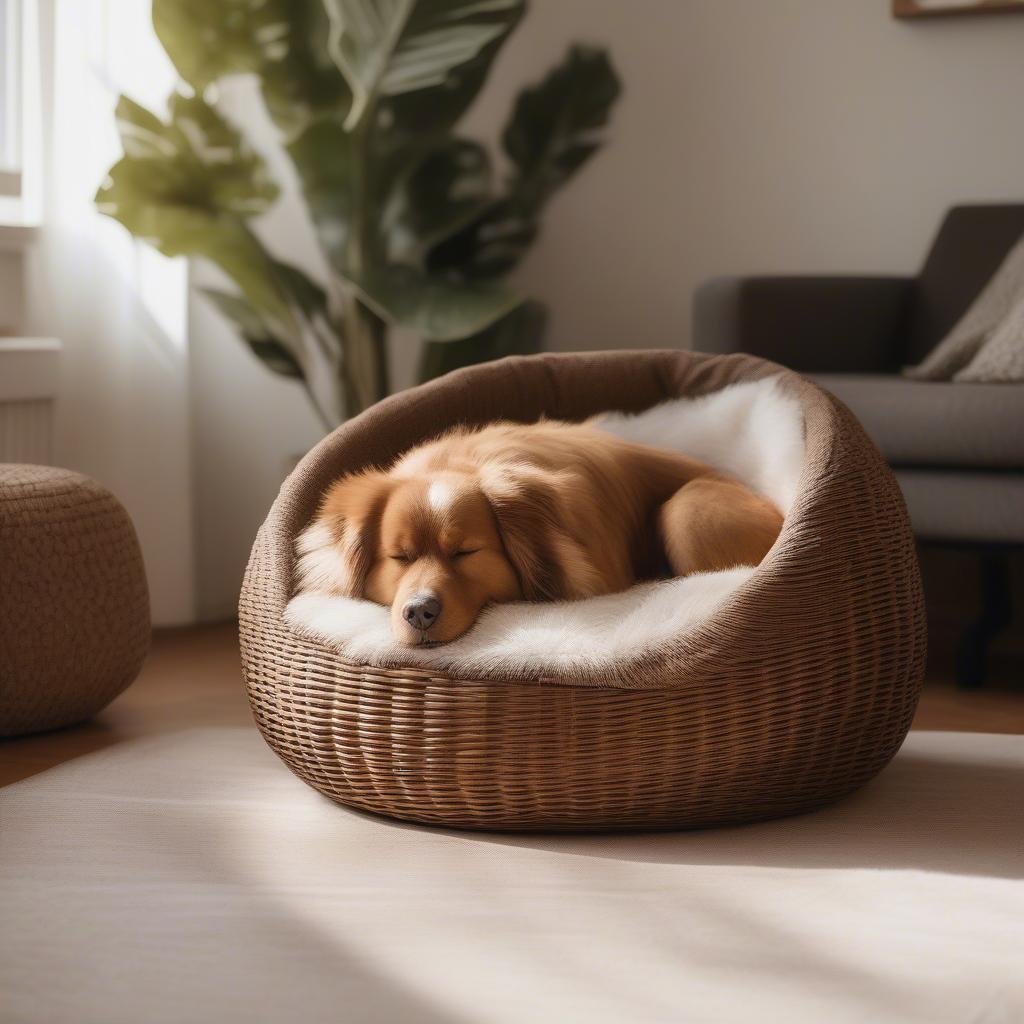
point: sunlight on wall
(104, 48)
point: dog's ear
(550, 564)
(337, 550)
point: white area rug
(191, 878)
(752, 430)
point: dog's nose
(421, 611)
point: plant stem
(365, 366)
(365, 369)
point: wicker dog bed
(797, 691)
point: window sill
(29, 368)
(10, 182)
(14, 237)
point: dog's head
(438, 547)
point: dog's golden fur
(510, 512)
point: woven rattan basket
(800, 689)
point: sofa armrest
(811, 324)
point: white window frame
(12, 40)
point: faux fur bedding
(751, 430)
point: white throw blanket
(751, 430)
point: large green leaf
(422, 60)
(521, 333)
(490, 245)
(328, 169)
(556, 124)
(303, 294)
(445, 187)
(189, 187)
(449, 186)
(284, 42)
(197, 157)
(554, 129)
(434, 307)
(303, 355)
(255, 332)
(348, 188)
(307, 302)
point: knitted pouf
(74, 606)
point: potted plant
(416, 227)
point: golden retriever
(511, 512)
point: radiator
(28, 388)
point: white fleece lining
(752, 430)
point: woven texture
(74, 607)
(799, 690)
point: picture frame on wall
(948, 8)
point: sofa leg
(996, 613)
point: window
(10, 97)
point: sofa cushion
(936, 423)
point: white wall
(247, 427)
(796, 135)
(786, 136)
(248, 424)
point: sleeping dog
(544, 512)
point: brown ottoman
(74, 607)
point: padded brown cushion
(74, 607)
(798, 690)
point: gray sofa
(957, 449)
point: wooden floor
(193, 678)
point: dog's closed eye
(405, 559)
